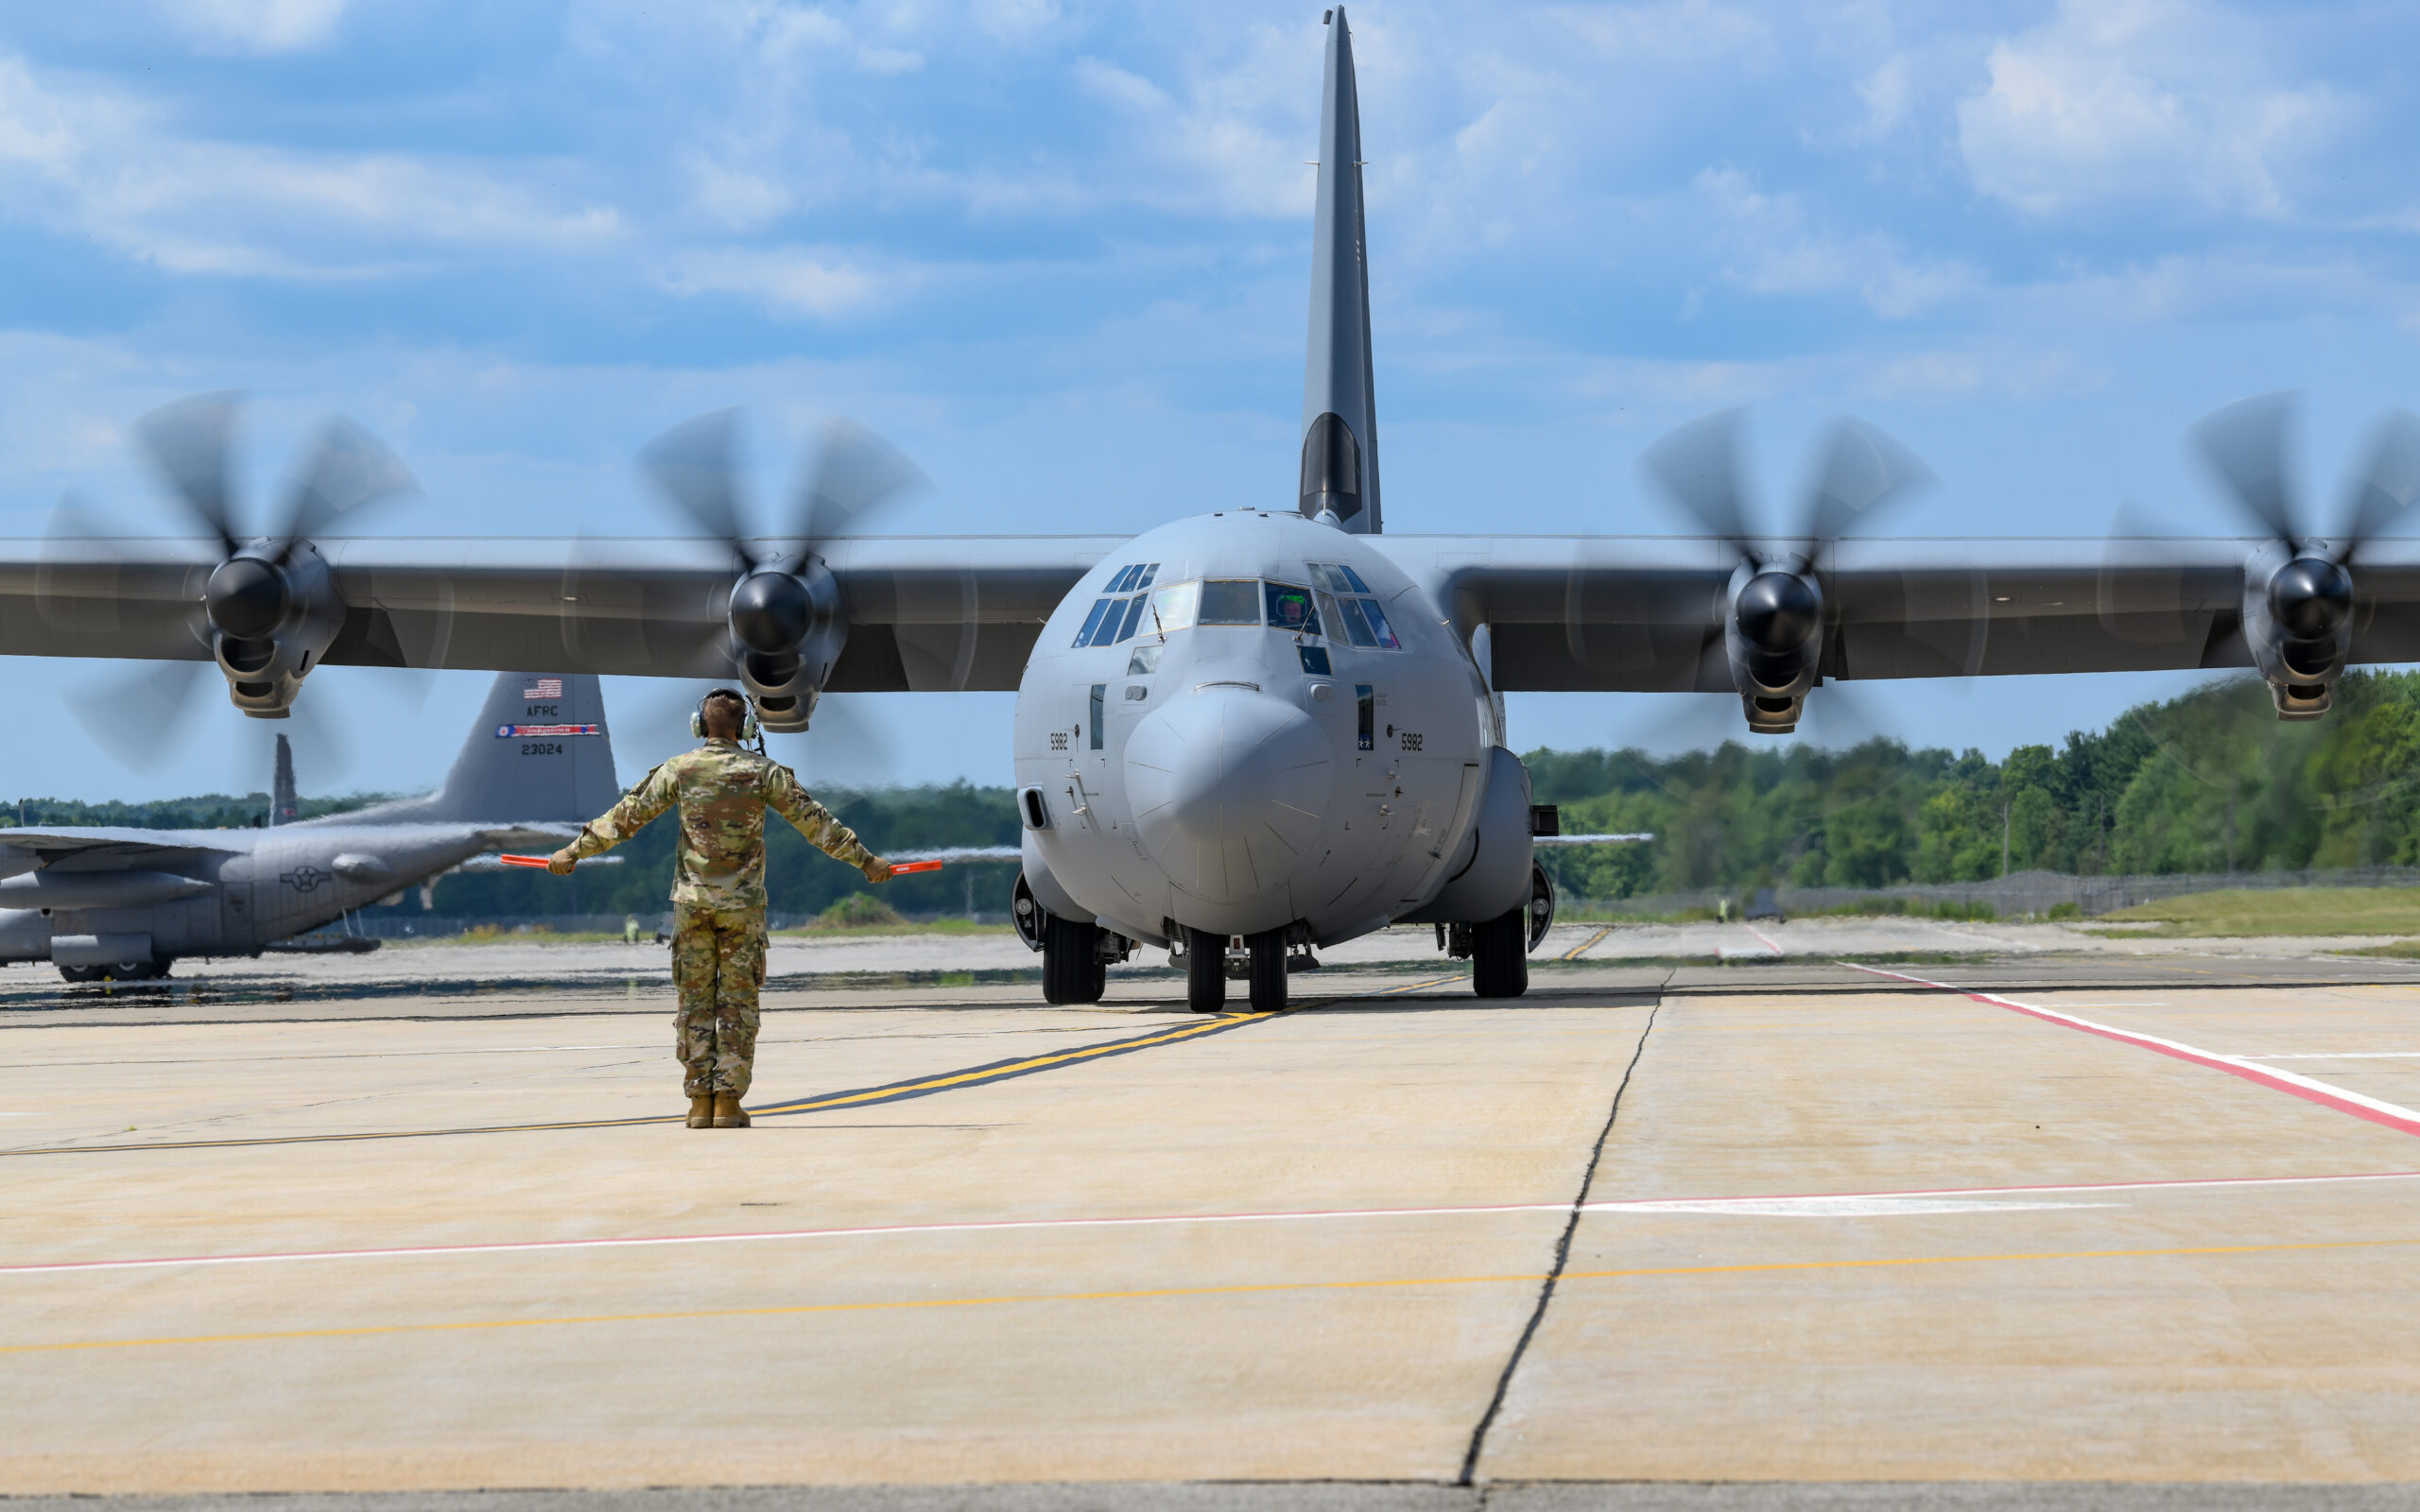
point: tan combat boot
(701, 1110)
(728, 1113)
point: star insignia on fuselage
(305, 878)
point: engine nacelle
(1772, 636)
(788, 628)
(271, 620)
(2298, 623)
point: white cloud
(1013, 19)
(1221, 141)
(1887, 94)
(1772, 250)
(813, 282)
(105, 166)
(2138, 99)
(1679, 30)
(257, 26)
(739, 198)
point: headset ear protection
(747, 720)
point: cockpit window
(1354, 613)
(1341, 580)
(1356, 625)
(1174, 608)
(1230, 601)
(1103, 607)
(1378, 625)
(1289, 608)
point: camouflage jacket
(722, 790)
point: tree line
(2209, 782)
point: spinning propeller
(785, 620)
(267, 608)
(1774, 616)
(2298, 591)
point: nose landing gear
(1264, 961)
(1268, 970)
(1205, 971)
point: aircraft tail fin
(1340, 405)
(284, 805)
(540, 754)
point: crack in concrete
(1554, 1272)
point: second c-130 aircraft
(1282, 724)
(123, 904)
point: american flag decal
(508, 731)
(547, 688)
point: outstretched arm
(784, 796)
(653, 795)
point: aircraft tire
(1268, 970)
(1072, 969)
(80, 973)
(1500, 955)
(1205, 971)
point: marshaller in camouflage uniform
(722, 790)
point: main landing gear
(1500, 955)
(1205, 971)
(142, 971)
(1072, 968)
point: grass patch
(1880, 905)
(1582, 914)
(2239, 911)
(2401, 949)
(515, 935)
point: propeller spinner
(785, 616)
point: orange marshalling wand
(901, 869)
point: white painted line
(1836, 1207)
(1804, 1200)
(2344, 1100)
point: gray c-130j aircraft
(1279, 723)
(100, 902)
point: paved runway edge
(1317, 1496)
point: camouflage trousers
(717, 966)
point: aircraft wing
(924, 613)
(94, 850)
(1647, 614)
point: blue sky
(1059, 252)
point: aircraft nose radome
(1228, 787)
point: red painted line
(1768, 942)
(2390, 1115)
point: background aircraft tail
(284, 803)
(1340, 405)
(540, 754)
